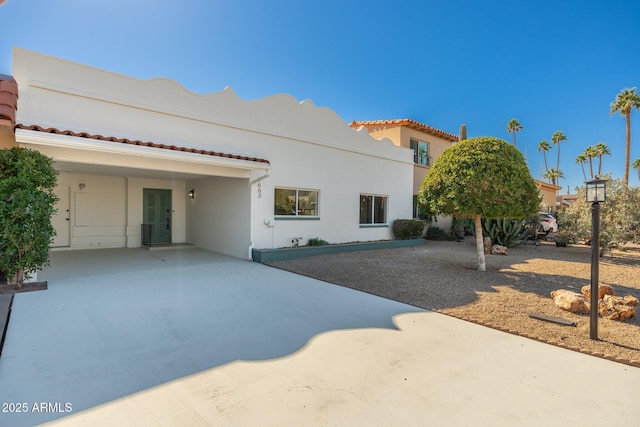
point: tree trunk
(628, 149)
(19, 279)
(479, 243)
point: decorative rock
(617, 308)
(498, 250)
(570, 301)
(632, 301)
(487, 245)
(602, 291)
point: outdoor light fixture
(596, 190)
(192, 194)
(596, 194)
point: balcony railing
(425, 161)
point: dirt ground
(443, 276)
(27, 287)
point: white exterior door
(60, 219)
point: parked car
(548, 223)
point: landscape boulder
(498, 250)
(617, 308)
(487, 245)
(570, 301)
(602, 291)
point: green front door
(157, 213)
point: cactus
(505, 232)
(463, 133)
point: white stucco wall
(218, 217)
(307, 147)
(106, 211)
(97, 210)
(340, 177)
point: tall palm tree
(601, 149)
(553, 175)
(544, 146)
(590, 153)
(625, 101)
(556, 139)
(514, 127)
(581, 160)
(636, 166)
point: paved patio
(189, 337)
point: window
(420, 152)
(373, 209)
(295, 202)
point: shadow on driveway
(115, 322)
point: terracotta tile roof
(8, 98)
(413, 124)
(140, 143)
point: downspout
(255, 181)
(260, 178)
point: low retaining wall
(265, 256)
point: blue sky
(552, 64)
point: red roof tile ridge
(8, 98)
(138, 142)
(403, 122)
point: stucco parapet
(280, 116)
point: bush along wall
(404, 229)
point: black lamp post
(596, 193)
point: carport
(119, 192)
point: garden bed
(282, 254)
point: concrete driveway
(189, 337)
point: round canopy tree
(27, 202)
(479, 178)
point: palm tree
(544, 146)
(553, 175)
(590, 153)
(556, 139)
(636, 166)
(514, 127)
(625, 101)
(601, 149)
(581, 160)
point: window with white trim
(373, 209)
(420, 152)
(295, 202)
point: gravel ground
(443, 276)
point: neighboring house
(563, 201)
(426, 142)
(212, 170)
(548, 192)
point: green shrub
(27, 203)
(405, 229)
(619, 216)
(437, 233)
(562, 239)
(316, 241)
(461, 227)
